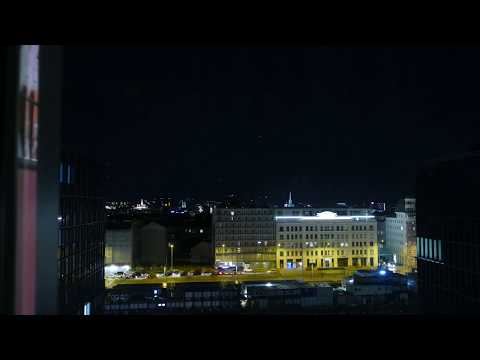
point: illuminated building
(141, 206)
(448, 235)
(400, 241)
(244, 236)
(326, 240)
(259, 238)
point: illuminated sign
(326, 215)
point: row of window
(235, 224)
(325, 253)
(342, 262)
(326, 228)
(228, 212)
(333, 244)
(323, 236)
(429, 248)
(296, 245)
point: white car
(206, 273)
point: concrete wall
(202, 253)
(118, 247)
(150, 243)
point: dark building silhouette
(150, 244)
(81, 237)
(448, 235)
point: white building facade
(292, 238)
(244, 236)
(400, 240)
(326, 240)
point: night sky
(328, 124)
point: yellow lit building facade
(295, 238)
(326, 240)
(245, 237)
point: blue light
(382, 272)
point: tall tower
(290, 203)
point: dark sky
(328, 124)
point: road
(317, 276)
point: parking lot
(208, 275)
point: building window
(281, 228)
(281, 253)
(371, 243)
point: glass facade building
(81, 237)
(448, 235)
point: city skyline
(327, 124)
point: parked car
(140, 276)
(207, 273)
(197, 272)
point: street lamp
(171, 256)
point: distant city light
(269, 284)
(141, 206)
(59, 218)
(382, 272)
